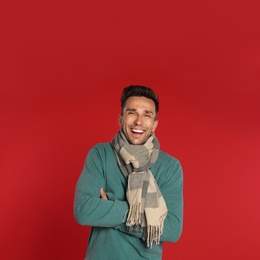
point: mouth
(137, 132)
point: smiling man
(130, 191)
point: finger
(103, 194)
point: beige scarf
(148, 209)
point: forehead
(140, 103)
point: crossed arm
(165, 235)
(93, 207)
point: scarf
(147, 208)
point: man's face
(138, 119)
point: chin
(135, 142)
(138, 142)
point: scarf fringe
(134, 215)
(153, 233)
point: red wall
(62, 69)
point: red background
(62, 69)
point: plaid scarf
(147, 208)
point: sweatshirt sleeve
(172, 191)
(89, 208)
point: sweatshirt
(109, 238)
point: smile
(137, 131)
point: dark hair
(139, 91)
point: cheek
(154, 126)
(124, 122)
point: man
(129, 191)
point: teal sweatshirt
(109, 237)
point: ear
(120, 120)
(155, 124)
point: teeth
(137, 131)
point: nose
(138, 120)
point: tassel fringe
(134, 215)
